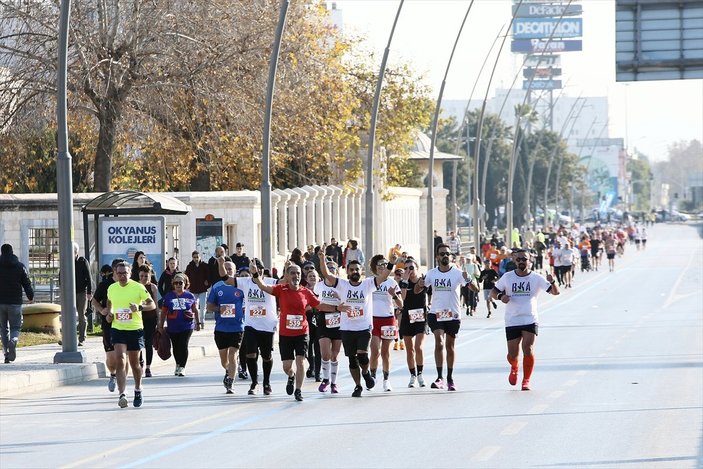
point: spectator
(214, 264)
(84, 292)
(239, 258)
(334, 251)
(198, 273)
(13, 279)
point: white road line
(571, 382)
(555, 395)
(538, 409)
(514, 428)
(486, 453)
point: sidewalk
(34, 369)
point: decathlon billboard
(531, 46)
(658, 40)
(541, 28)
(121, 237)
(537, 10)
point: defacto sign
(543, 61)
(531, 46)
(546, 72)
(541, 28)
(536, 10)
(121, 237)
(541, 85)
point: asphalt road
(618, 382)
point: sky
(650, 116)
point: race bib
(354, 314)
(294, 322)
(388, 332)
(123, 315)
(444, 315)
(257, 312)
(227, 311)
(332, 320)
(416, 315)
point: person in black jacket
(334, 251)
(84, 292)
(13, 279)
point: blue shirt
(179, 311)
(229, 317)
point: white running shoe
(420, 380)
(413, 381)
(387, 385)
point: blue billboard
(530, 46)
(541, 85)
(538, 28)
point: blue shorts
(133, 339)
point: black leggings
(179, 342)
(150, 321)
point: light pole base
(70, 357)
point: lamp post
(64, 182)
(266, 156)
(430, 175)
(370, 193)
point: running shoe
(112, 383)
(122, 402)
(12, 350)
(489, 315)
(421, 380)
(333, 388)
(228, 385)
(413, 381)
(438, 384)
(177, 370)
(298, 395)
(289, 385)
(310, 373)
(396, 346)
(387, 385)
(224, 380)
(512, 377)
(267, 390)
(450, 386)
(357, 391)
(525, 384)
(402, 345)
(181, 371)
(147, 373)
(323, 386)
(137, 399)
(252, 389)
(243, 373)
(369, 380)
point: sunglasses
(410, 267)
(443, 254)
(176, 283)
(521, 259)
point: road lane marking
(538, 409)
(555, 395)
(514, 428)
(486, 453)
(571, 382)
(673, 296)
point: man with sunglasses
(126, 299)
(355, 321)
(518, 290)
(444, 317)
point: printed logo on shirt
(355, 295)
(255, 294)
(442, 284)
(521, 289)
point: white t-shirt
(557, 254)
(383, 306)
(359, 298)
(259, 307)
(522, 307)
(327, 295)
(446, 290)
(567, 256)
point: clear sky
(649, 115)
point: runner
(293, 300)
(150, 317)
(385, 324)
(444, 317)
(125, 301)
(610, 244)
(328, 321)
(413, 319)
(99, 302)
(180, 311)
(518, 290)
(227, 302)
(260, 321)
(355, 321)
(488, 277)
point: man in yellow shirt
(126, 299)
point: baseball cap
(243, 268)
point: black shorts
(133, 339)
(451, 328)
(515, 332)
(638, 241)
(354, 341)
(258, 342)
(225, 340)
(408, 329)
(293, 346)
(107, 337)
(611, 255)
(332, 333)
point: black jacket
(84, 284)
(13, 278)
